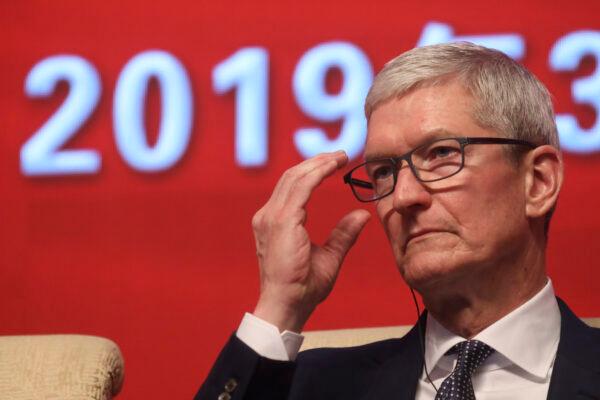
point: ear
(543, 180)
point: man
(462, 161)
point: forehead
(425, 113)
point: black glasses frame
(397, 161)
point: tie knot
(471, 354)
(458, 385)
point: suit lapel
(575, 375)
(576, 371)
(399, 376)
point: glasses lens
(373, 179)
(438, 160)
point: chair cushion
(59, 367)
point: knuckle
(278, 219)
(257, 220)
(290, 174)
(265, 220)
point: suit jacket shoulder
(384, 369)
(361, 372)
(576, 371)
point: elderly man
(463, 165)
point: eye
(380, 171)
(441, 152)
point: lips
(420, 233)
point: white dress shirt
(265, 339)
(513, 371)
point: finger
(316, 169)
(345, 233)
(299, 191)
(307, 166)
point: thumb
(345, 233)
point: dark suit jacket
(388, 369)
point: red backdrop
(163, 262)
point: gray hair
(508, 98)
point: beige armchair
(59, 367)
(359, 336)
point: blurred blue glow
(512, 44)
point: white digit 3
(566, 56)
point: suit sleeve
(241, 374)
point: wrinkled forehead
(426, 113)
(382, 94)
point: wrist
(283, 316)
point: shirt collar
(533, 325)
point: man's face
(460, 228)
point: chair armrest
(351, 337)
(65, 367)
(360, 336)
(593, 322)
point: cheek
(390, 221)
(489, 213)
(384, 212)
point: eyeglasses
(430, 162)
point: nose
(410, 195)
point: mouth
(422, 233)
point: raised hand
(296, 274)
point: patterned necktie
(458, 386)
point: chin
(427, 269)
(430, 259)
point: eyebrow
(429, 136)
